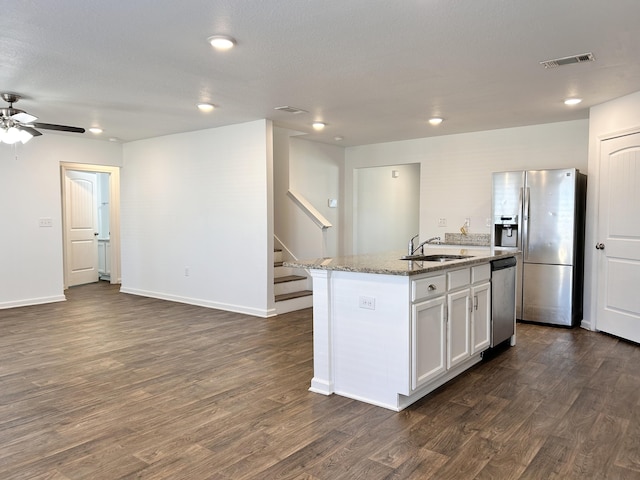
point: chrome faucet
(420, 247)
(410, 249)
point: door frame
(592, 264)
(114, 214)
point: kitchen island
(388, 331)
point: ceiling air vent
(559, 62)
(288, 109)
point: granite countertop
(389, 263)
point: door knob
(599, 246)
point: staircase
(291, 290)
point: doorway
(91, 231)
(386, 211)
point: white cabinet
(481, 317)
(428, 329)
(459, 316)
(428, 341)
(459, 324)
(481, 305)
(450, 321)
(104, 258)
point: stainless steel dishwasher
(503, 299)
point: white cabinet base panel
(398, 402)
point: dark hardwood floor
(114, 386)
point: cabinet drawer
(428, 287)
(459, 278)
(480, 273)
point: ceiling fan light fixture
(13, 135)
(572, 101)
(95, 130)
(222, 42)
(206, 107)
(318, 125)
(435, 121)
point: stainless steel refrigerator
(541, 213)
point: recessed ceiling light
(338, 138)
(95, 130)
(319, 125)
(572, 101)
(435, 120)
(206, 107)
(221, 42)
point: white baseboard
(255, 312)
(32, 301)
(586, 324)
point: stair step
(288, 278)
(289, 296)
(278, 264)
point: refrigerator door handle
(525, 225)
(520, 222)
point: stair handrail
(310, 210)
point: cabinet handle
(432, 287)
(475, 302)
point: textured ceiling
(373, 70)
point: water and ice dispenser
(506, 230)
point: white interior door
(619, 238)
(81, 227)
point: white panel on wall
(196, 225)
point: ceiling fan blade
(61, 128)
(24, 117)
(32, 131)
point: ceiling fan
(19, 126)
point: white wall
(201, 201)
(315, 171)
(611, 119)
(385, 222)
(456, 169)
(32, 258)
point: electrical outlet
(442, 222)
(186, 271)
(368, 302)
(45, 222)
(488, 222)
(467, 221)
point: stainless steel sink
(435, 258)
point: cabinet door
(427, 341)
(481, 317)
(459, 334)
